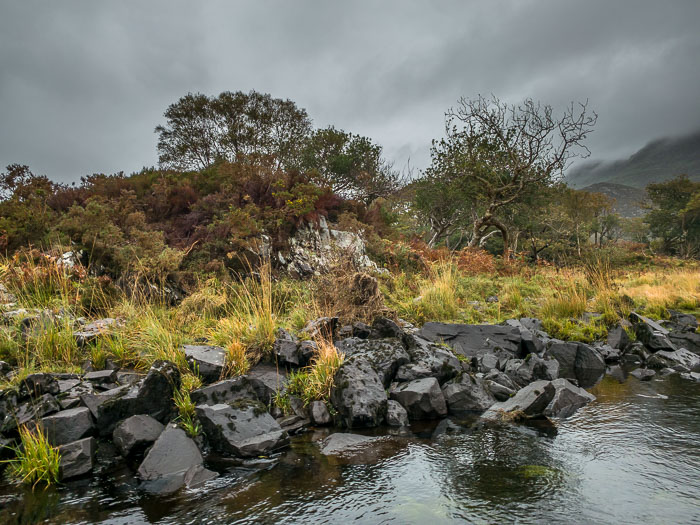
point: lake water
(632, 456)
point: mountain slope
(627, 199)
(658, 161)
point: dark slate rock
(683, 322)
(224, 392)
(340, 443)
(136, 433)
(651, 334)
(638, 351)
(307, 350)
(384, 327)
(501, 378)
(532, 368)
(500, 392)
(531, 343)
(422, 398)
(428, 360)
(608, 353)
(565, 353)
(319, 413)
(530, 401)
(396, 415)
(36, 385)
(568, 398)
(67, 426)
(77, 458)
(474, 340)
(467, 394)
(643, 374)
(488, 362)
(208, 360)
(173, 459)
(266, 381)
(688, 340)
(618, 338)
(361, 330)
(577, 361)
(691, 376)
(244, 429)
(681, 360)
(358, 394)
(293, 424)
(99, 377)
(153, 396)
(286, 349)
(29, 411)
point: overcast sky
(83, 83)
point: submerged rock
(422, 398)
(244, 429)
(643, 374)
(358, 394)
(339, 443)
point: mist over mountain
(658, 161)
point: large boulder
(358, 394)
(530, 401)
(208, 361)
(136, 433)
(681, 360)
(651, 334)
(467, 393)
(568, 398)
(385, 355)
(474, 340)
(67, 426)
(224, 392)
(422, 398)
(428, 360)
(577, 361)
(243, 428)
(173, 462)
(77, 458)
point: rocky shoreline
(393, 374)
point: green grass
(36, 461)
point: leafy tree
(500, 151)
(251, 127)
(674, 215)
(351, 165)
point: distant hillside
(627, 199)
(658, 161)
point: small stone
(319, 413)
(643, 374)
(77, 458)
(396, 415)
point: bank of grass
(243, 314)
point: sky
(84, 83)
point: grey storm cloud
(84, 83)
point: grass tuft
(36, 461)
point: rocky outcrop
(358, 394)
(474, 340)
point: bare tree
(500, 151)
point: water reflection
(630, 457)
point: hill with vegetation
(658, 161)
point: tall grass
(36, 461)
(315, 382)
